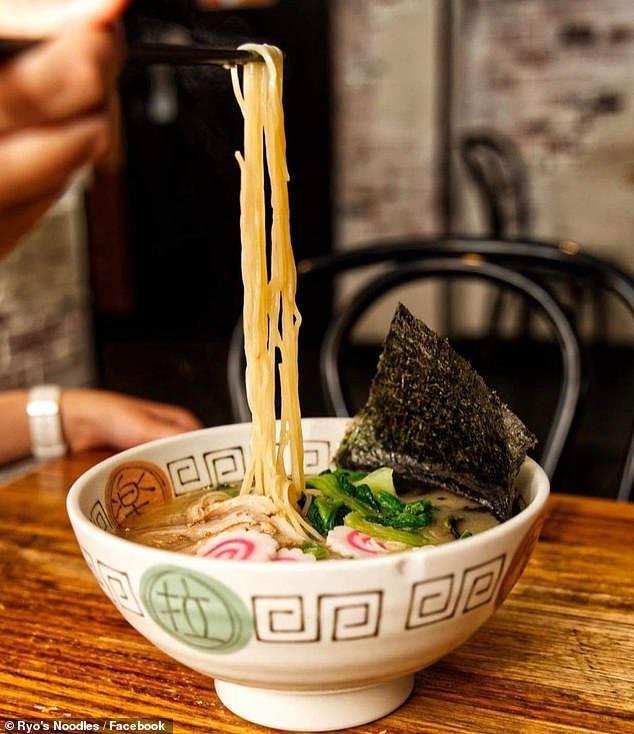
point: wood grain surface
(557, 657)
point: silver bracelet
(45, 422)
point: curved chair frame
(565, 257)
(342, 325)
(497, 169)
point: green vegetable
(419, 507)
(340, 496)
(380, 480)
(381, 532)
(399, 521)
(315, 549)
(363, 493)
(399, 514)
(352, 475)
(465, 534)
(323, 514)
(342, 492)
(388, 502)
(314, 518)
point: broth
(200, 522)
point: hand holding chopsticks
(55, 118)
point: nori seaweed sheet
(433, 419)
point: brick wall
(46, 333)
(385, 108)
(557, 76)
(385, 130)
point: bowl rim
(96, 534)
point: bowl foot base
(323, 711)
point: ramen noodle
(270, 315)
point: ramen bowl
(309, 646)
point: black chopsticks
(152, 53)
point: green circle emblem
(196, 609)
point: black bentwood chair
(508, 264)
(497, 170)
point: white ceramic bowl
(310, 646)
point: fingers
(59, 80)
(182, 419)
(163, 412)
(37, 160)
(97, 418)
(140, 421)
(45, 17)
(55, 118)
(150, 429)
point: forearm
(91, 419)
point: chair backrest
(343, 323)
(497, 169)
(506, 262)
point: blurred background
(405, 118)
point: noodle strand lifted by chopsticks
(270, 316)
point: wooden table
(557, 657)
